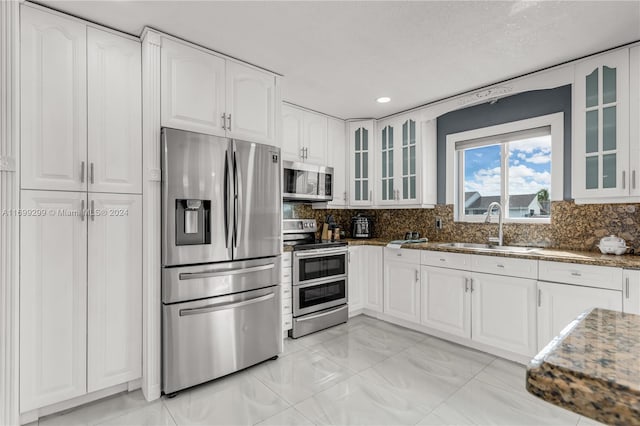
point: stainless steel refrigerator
(221, 243)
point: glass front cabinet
(361, 149)
(397, 161)
(601, 151)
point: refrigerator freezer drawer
(183, 283)
(210, 338)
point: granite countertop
(592, 368)
(567, 256)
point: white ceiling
(338, 57)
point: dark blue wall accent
(512, 108)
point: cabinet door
(601, 126)
(193, 89)
(53, 101)
(631, 300)
(634, 112)
(115, 121)
(315, 138)
(357, 269)
(115, 290)
(387, 188)
(292, 133)
(373, 278)
(53, 299)
(337, 158)
(407, 150)
(251, 104)
(504, 312)
(402, 290)
(559, 304)
(361, 158)
(445, 300)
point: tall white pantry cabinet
(81, 209)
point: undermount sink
(490, 247)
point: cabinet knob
(224, 121)
(82, 172)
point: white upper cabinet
(53, 299)
(205, 93)
(114, 115)
(304, 135)
(601, 166)
(315, 138)
(193, 89)
(361, 147)
(634, 122)
(337, 158)
(292, 133)
(53, 101)
(398, 166)
(114, 290)
(251, 103)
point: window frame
(455, 168)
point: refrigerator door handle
(225, 306)
(235, 200)
(223, 272)
(226, 199)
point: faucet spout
(490, 209)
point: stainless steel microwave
(306, 182)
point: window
(513, 169)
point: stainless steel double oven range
(320, 278)
(221, 232)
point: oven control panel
(299, 225)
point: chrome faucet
(488, 219)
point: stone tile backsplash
(572, 227)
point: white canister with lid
(613, 245)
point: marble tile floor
(365, 372)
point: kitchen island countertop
(592, 368)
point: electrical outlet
(438, 223)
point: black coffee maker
(361, 226)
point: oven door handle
(223, 272)
(323, 313)
(317, 253)
(225, 306)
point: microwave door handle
(223, 272)
(213, 308)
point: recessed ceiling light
(383, 100)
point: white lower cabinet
(114, 314)
(504, 312)
(357, 278)
(80, 294)
(365, 278)
(373, 282)
(53, 299)
(445, 300)
(631, 298)
(286, 293)
(402, 285)
(559, 304)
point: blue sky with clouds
(529, 167)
